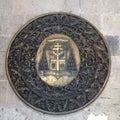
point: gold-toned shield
(57, 60)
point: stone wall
(104, 14)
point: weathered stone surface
(100, 7)
(8, 24)
(3, 90)
(16, 113)
(4, 27)
(111, 6)
(114, 44)
(110, 24)
(91, 6)
(6, 7)
(115, 61)
(73, 116)
(97, 117)
(4, 42)
(37, 7)
(2, 67)
(72, 6)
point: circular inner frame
(57, 60)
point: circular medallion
(58, 63)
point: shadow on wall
(113, 42)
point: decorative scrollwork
(93, 71)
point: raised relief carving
(58, 63)
(58, 60)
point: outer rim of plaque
(40, 110)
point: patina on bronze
(58, 63)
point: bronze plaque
(58, 63)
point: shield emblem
(57, 63)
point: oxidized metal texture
(91, 69)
